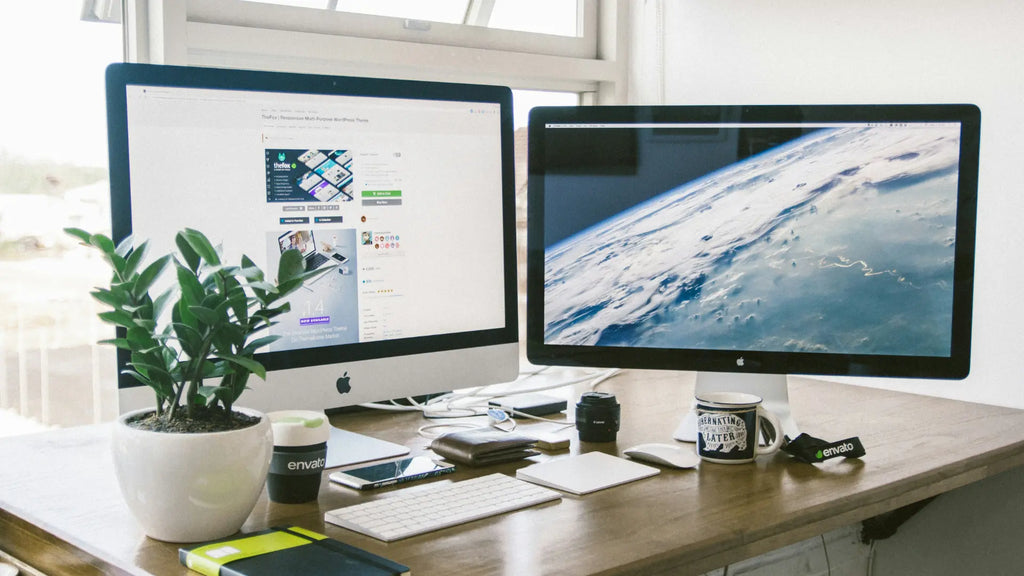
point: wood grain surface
(61, 511)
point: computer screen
(753, 240)
(403, 191)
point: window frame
(352, 24)
(238, 34)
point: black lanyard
(812, 450)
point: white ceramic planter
(192, 487)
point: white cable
(443, 406)
(424, 430)
(475, 393)
(597, 379)
(534, 417)
(611, 373)
(389, 407)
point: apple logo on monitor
(740, 361)
(344, 387)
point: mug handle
(773, 420)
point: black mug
(729, 426)
(299, 457)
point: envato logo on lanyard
(812, 450)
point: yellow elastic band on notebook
(208, 559)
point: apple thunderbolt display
(402, 191)
(751, 242)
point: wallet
(481, 446)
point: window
(557, 17)
(53, 174)
(427, 42)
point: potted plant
(192, 467)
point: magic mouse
(666, 454)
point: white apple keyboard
(405, 514)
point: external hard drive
(532, 404)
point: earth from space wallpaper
(840, 241)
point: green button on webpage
(382, 193)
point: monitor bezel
(121, 75)
(954, 366)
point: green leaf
(118, 264)
(258, 343)
(262, 286)
(185, 249)
(109, 297)
(121, 343)
(189, 336)
(149, 276)
(237, 301)
(202, 246)
(222, 343)
(139, 377)
(228, 270)
(246, 363)
(212, 298)
(247, 263)
(153, 376)
(250, 273)
(150, 369)
(210, 392)
(290, 265)
(82, 235)
(140, 338)
(125, 246)
(134, 309)
(146, 323)
(214, 279)
(118, 318)
(103, 243)
(206, 315)
(237, 334)
(134, 259)
(290, 285)
(160, 302)
(210, 369)
(224, 306)
(269, 313)
(191, 290)
(236, 385)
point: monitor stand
(772, 388)
(345, 448)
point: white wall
(875, 51)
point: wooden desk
(61, 511)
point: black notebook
(285, 550)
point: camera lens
(597, 417)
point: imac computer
(747, 243)
(403, 190)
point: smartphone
(404, 470)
